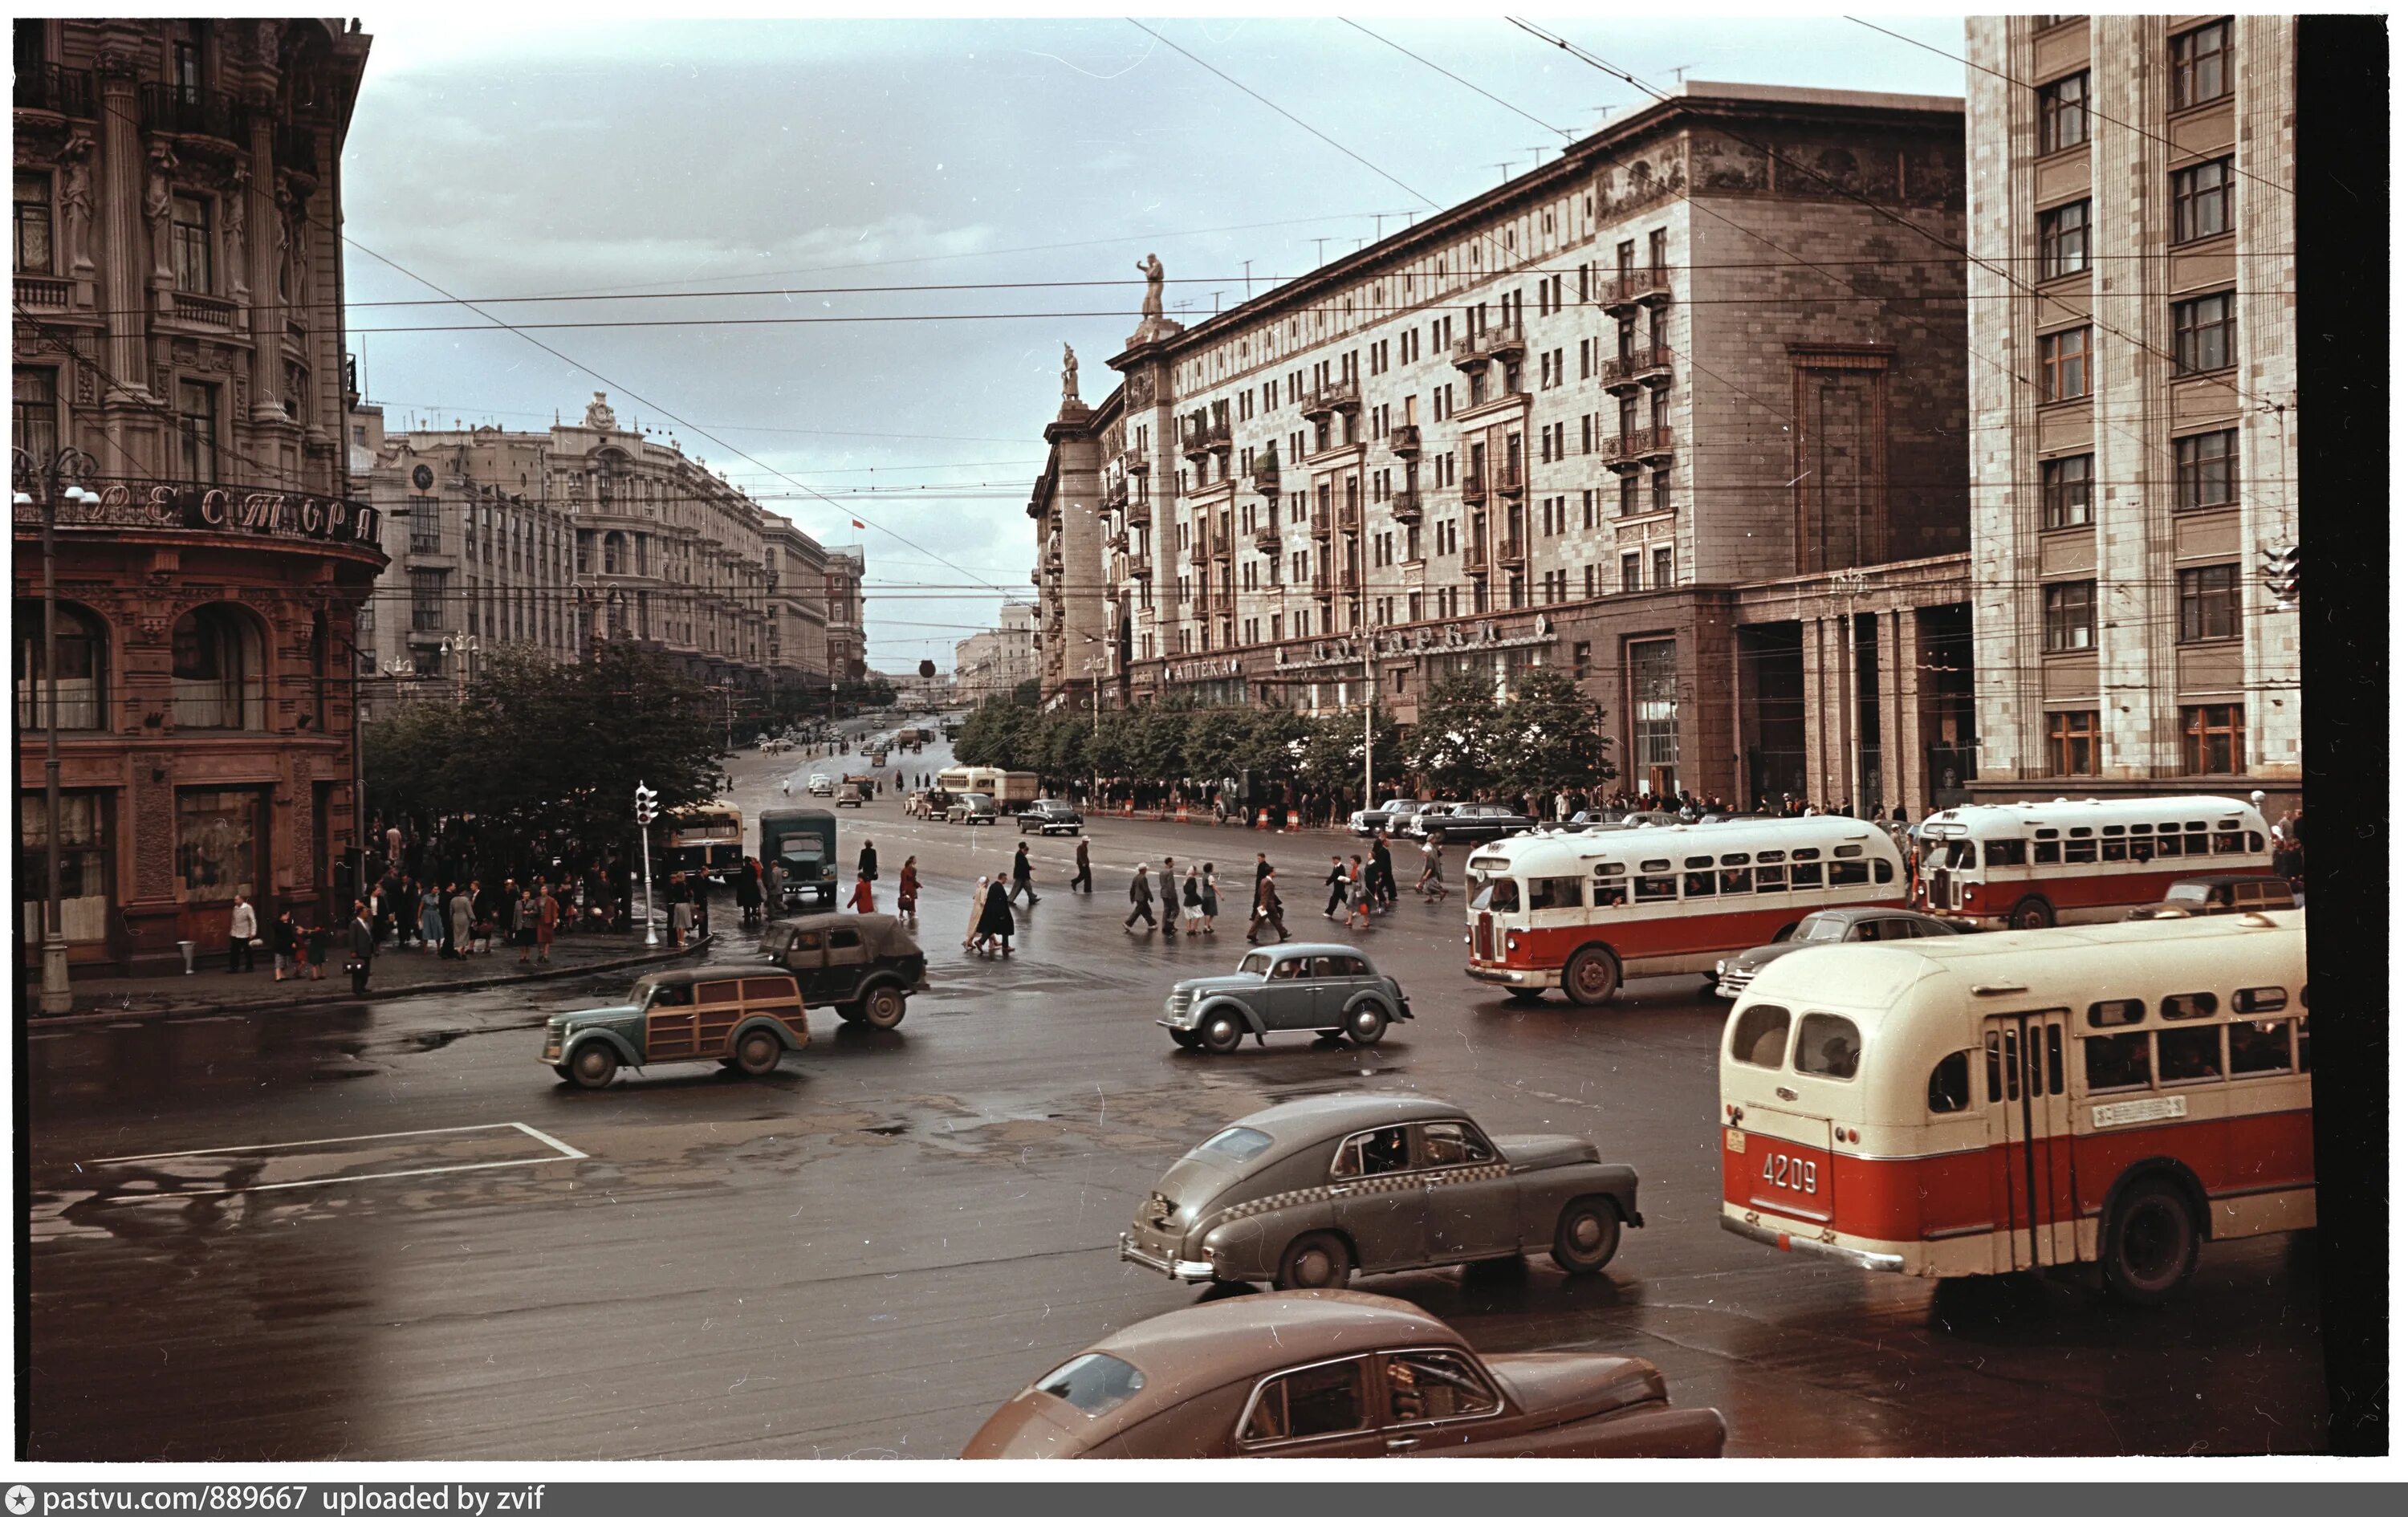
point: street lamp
(459, 647)
(62, 475)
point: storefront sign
(210, 509)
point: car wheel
(2030, 913)
(1592, 976)
(1586, 1235)
(1367, 1024)
(1524, 993)
(1315, 1262)
(2151, 1244)
(758, 1053)
(1185, 1039)
(1223, 1031)
(883, 1007)
(595, 1065)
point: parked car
(2215, 895)
(1839, 924)
(1475, 822)
(970, 808)
(1375, 822)
(1417, 823)
(865, 968)
(1325, 988)
(1047, 818)
(1308, 1193)
(746, 1017)
(820, 784)
(1333, 1374)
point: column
(125, 242)
(266, 311)
(1814, 686)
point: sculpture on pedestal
(1069, 378)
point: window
(83, 668)
(1435, 1385)
(2065, 365)
(2206, 469)
(1382, 1152)
(2190, 1053)
(2260, 1047)
(31, 203)
(217, 844)
(2064, 241)
(2212, 739)
(1456, 1142)
(2003, 853)
(2202, 200)
(2064, 113)
(2211, 602)
(1844, 872)
(2204, 334)
(1553, 894)
(2118, 1062)
(194, 256)
(2260, 1001)
(1630, 572)
(1659, 490)
(2073, 742)
(1317, 1402)
(2202, 63)
(1951, 1085)
(1827, 1046)
(2071, 615)
(1095, 1382)
(1761, 1035)
(217, 669)
(33, 411)
(196, 419)
(2065, 492)
(2125, 1013)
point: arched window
(218, 670)
(83, 668)
(614, 552)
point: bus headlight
(1513, 942)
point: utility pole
(75, 464)
(1371, 694)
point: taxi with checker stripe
(1310, 1193)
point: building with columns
(178, 365)
(2134, 403)
(1681, 413)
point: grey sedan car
(1840, 925)
(1310, 1193)
(1325, 988)
(1047, 818)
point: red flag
(858, 527)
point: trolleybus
(1585, 910)
(2036, 863)
(2105, 1096)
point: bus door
(2032, 1140)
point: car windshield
(801, 847)
(1498, 894)
(1233, 1144)
(1824, 930)
(1095, 1382)
(1254, 964)
(2187, 891)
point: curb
(212, 1008)
(1205, 820)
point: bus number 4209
(1789, 1173)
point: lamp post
(62, 473)
(459, 647)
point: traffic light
(645, 808)
(2281, 569)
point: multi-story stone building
(179, 383)
(2134, 403)
(795, 567)
(847, 639)
(996, 662)
(1681, 413)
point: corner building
(1680, 414)
(2135, 399)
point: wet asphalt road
(864, 1253)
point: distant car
(820, 784)
(1332, 1374)
(855, 789)
(1376, 821)
(1047, 818)
(1325, 988)
(1310, 1193)
(971, 809)
(1839, 924)
(745, 1018)
(1476, 822)
(2215, 895)
(1417, 823)
(865, 967)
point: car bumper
(1730, 986)
(1792, 1243)
(1500, 975)
(1188, 1270)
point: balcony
(1332, 397)
(1138, 513)
(1140, 567)
(1405, 507)
(1200, 436)
(1200, 553)
(1267, 539)
(1467, 353)
(1350, 515)
(1509, 478)
(296, 148)
(1405, 442)
(1475, 553)
(1321, 521)
(1502, 341)
(1638, 287)
(64, 92)
(1649, 366)
(205, 310)
(1267, 474)
(1638, 448)
(1117, 542)
(191, 112)
(1475, 487)
(1512, 552)
(1133, 461)
(36, 292)
(1116, 495)
(1224, 544)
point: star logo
(20, 1500)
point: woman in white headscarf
(970, 939)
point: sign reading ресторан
(186, 506)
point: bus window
(1738, 881)
(1611, 892)
(2227, 842)
(2111, 849)
(2256, 842)
(1882, 872)
(2082, 850)
(1805, 877)
(1849, 872)
(2046, 852)
(2003, 852)
(2055, 1042)
(1658, 887)
(1961, 854)
(2188, 1008)
(1827, 1046)
(1950, 1087)
(2014, 1090)
(1555, 895)
(1697, 882)
(2261, 1002)
(2260, 1047)
(2190, 1053)
(2142, 850)
(2116, 1013)
(1499, 894)
(1849, 850)
(1760, 1035)
(1771, 877)
(2119, 1062)
(2194, 842)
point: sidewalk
(397, 972)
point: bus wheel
(1592, 976)
(2151, 1245)
(2029, 913)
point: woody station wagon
(747, 1019)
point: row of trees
(1540, 735)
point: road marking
(562, 1153)
(566, 1151)
(325, 1142)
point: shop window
(218, 844)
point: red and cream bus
(2036, 863)
(1585, 910)
(2104, 1095)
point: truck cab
(798, 850)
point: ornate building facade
(995, 663)
(179, 388)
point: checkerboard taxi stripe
(1410, 1179)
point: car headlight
(1720, 965)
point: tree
(1454, 742)
(1546, 736)
(1333, 754)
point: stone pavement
(397, 972)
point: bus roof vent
(2000, 987)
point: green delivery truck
(798, 851)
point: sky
(686, 163)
